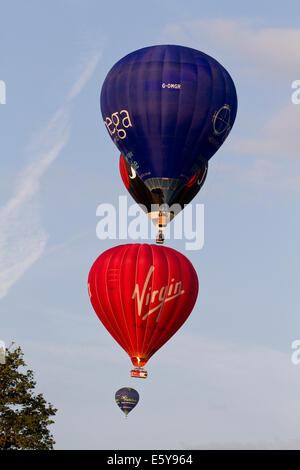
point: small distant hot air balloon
(127, 398)
(168, 109)
(152, 201)
(142, 294)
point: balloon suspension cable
(162, 223)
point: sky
(226, 379)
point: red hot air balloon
(142, 294)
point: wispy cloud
(256, 49)
(263, 58)
(22, 237)
(275, 151)
(279, 136)
(89, 69)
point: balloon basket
(160, 237)
(139, 373)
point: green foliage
(24, 417)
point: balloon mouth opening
(138, 361)
(163, 189)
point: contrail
(22, 237)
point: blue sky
(226, 379)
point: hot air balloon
(127, 398)
(168, 109)
(142, 294)
(151, 201)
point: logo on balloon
(175, 86)
(165, 294)
(221, 120)
(133, 174)
(118, 118)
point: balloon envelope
(142, 294)
(168, 109)
(127, 398)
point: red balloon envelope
(142, 294)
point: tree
(24, 416)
